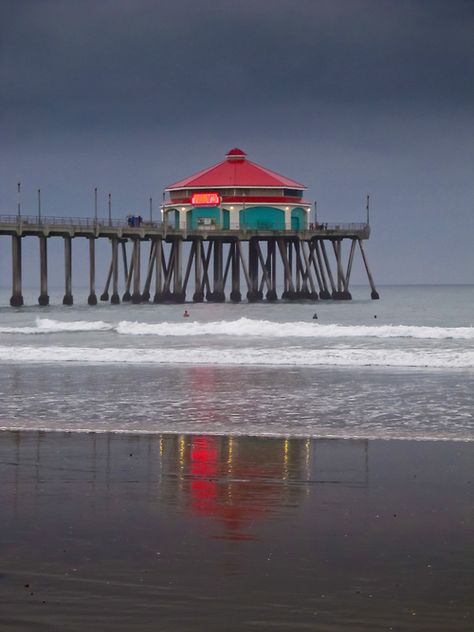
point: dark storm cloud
(112, 64)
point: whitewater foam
(277, 356)
(245, 328)
(50, 326)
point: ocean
(401, 367)
(249, 467)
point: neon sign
(206, 199)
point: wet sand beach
(192, 532)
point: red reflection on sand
(232, 486)
(203, 466)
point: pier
(219, 263)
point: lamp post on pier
(110, 209)
(19, 201)
(39, 206)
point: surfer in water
(186, 314)
(315, 316)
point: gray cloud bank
(348, 96)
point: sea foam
(245, 328)
(248, 356)
(50, 326)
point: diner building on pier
(236, 194)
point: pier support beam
(198, 296)
(92, 298)
(178, 293)
(136, 295)
(253, 294)
(115, 298)
(217, 295)
(43, 298)
(16, 299)
(158, 298)
(374, 294)
(271, 269)
(307, 275)
(67, 299)
(105, 294)
(235, 295)
(328, 269)
(324, 293)
(342, 293)
(149, 272)
(127, 297)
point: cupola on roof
(235, 154)
(236, 171)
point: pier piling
(67, 299)
(43, 298)
(16, 299)
(213, 261)
(92, 298)
(115, 298)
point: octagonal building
(236, 194)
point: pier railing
(38, 223)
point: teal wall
(262, 218)
(298, 219)
(194, 215)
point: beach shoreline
(186, 532)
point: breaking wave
(280, 356)
(50, 326)
(246, 327)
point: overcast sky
(348, 96)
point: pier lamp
(95, 204)
(19, 200)
(110, 209)
(39, 206)
(151, 210)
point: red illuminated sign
(206, 199)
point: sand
(147, 532)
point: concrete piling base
(16, 301)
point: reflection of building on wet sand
(237, 480)
(233, 481)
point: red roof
(235, 171)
